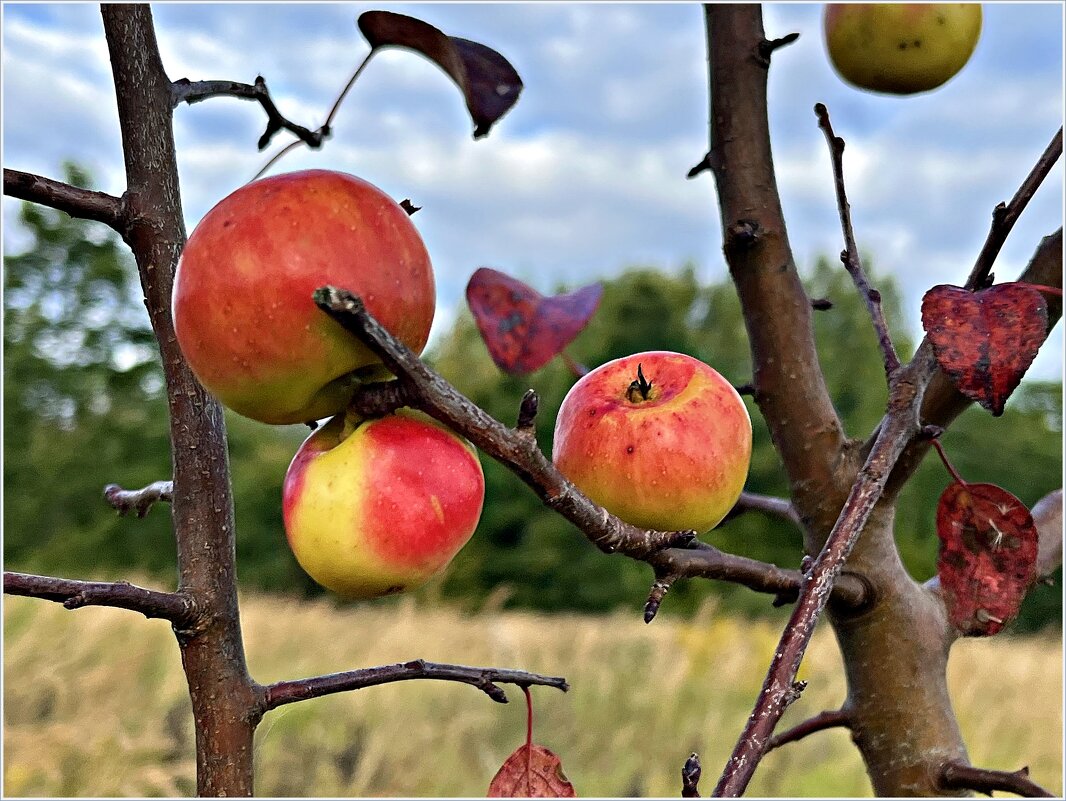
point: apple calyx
(640, 390)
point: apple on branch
(378, 506)
(659, 439)
(901, 48)
(243, 311)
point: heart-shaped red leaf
(987, 560)
(532, 771)
(985, 341)
(522, 329)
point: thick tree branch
(824, 720)
(484, 679)
(83, 203)
(850, 255)
(185, 91)
(139, 501)
(670, 553)
(177, 607)
(958, 776)
(790, 389)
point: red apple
(659, 439)
(242, 293)
(375, 507)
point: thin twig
(1005, 215)
(83, 203)
(957, 776)
(656, 594)
(484, 679)
(820, 722)
(767, 504)
(139, 501)
(173, 606)
(850, 255)
(767, 47)
(675, 552)
(184, 90)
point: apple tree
(895, 634)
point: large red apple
(243, 311)
(658, 439)
(378, 506)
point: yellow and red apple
(659, 439)
(901, 48)
(378, 506)
(243, 311)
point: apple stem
(529, 737)
(641, 385)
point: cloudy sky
(587, 173)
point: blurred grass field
(95, 702)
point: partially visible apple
(242, 293)
(659, 439)
(375, 507)
(901, 48)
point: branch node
(821, 304)
(527, 413)
(742, 234)
(765, 49)
(690, 777)
(655, 596)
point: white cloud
(586, 174)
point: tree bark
(225, 701)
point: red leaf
(987, 560)
(523, 329)
(986, 340)
(531, 772)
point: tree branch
(1004, 216)
(690, 777)
(484, 679)
(185, 91)
(820, 722)
(177, 607)
(850, 255)
(139, 501)
(958, 776)
(1047, 516)
(83, 203)
(767, 504)
(790, 389)
(670, 553)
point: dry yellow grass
(95, 703)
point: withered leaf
(532, 771)
(985, 341)
(522, 329)
(987, 559)
(487, 80)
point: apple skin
(381, 508)
(675, 461)
(243, 311)
(901, 48)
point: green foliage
(85, 406)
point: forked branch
(484, 679)
(850, 255)
(185, 91)
(176, 607)
(674, 553)
(957, 776)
